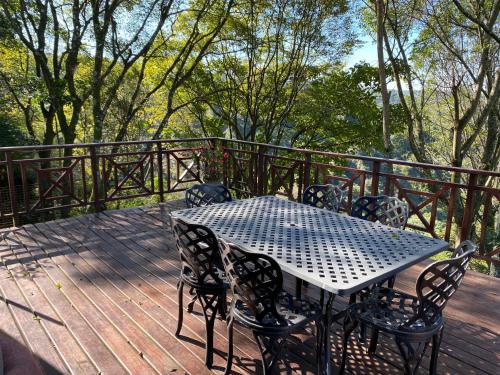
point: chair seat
(396, 312)
(189, 278)
(295, 312)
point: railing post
(261, 175)
(169, 175)
(160, 171)
(307, 170)
(94, 166)
(12, 188)
(484, 222)
(468, 208)
(375, 177)
(225, 164)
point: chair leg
(180, 317)
(229, 363)
(362, 333)
(298, 287)
(193, 300)
(320, 331)
(223, 305)
(270, 349)
(373, 341)
(391, 282)
(412, 353)
(349, 326)
(362, 326)
(319, 348)
(210, 304)
(352, 298)
(436, 343)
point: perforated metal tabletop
(338, 253)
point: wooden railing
(46, 182)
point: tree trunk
(495, 268)
(386, 110)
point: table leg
(326, 367)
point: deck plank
(115, 305)
(104, 286)
(76, 323)
(32, 330)
(69, 350)
(107, 332)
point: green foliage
(11, 134)
(476, 265)
(338, 111)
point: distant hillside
(394, 96)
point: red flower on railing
(212, 163)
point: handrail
(369, 158)
(102, 144)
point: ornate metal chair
(326, 196)
(202, 272)
(205, 194)
(260, 304)
(414, 321)
(389, 211)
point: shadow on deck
(97, 294)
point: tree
(339, 112)
(486, 27)
(20, 87)
(87, 51)
(443, 61)
(386, 112)
(194, 47)
(446, 67)
(267, 54)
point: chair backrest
(396, 213)
(204, 194)
(199, 251)
(440, 280)
(255, 279)
(389, 211)
(326, 196)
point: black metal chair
(414, 321)
(389, 211)
(202, 272)
(260, 304)
(205, 194)
(326, 196)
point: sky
(366, 52)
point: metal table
(338, 253)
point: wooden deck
(96, 294)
